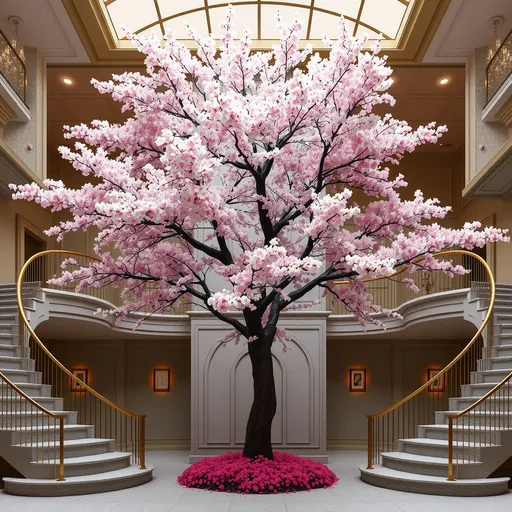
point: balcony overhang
(494, 181)
(13, 170)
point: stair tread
(455, 426)
(32, 428)
(442, 442)
(87, 441)
(411, 457)
(403, 475)
(87, 459)
(132, 470)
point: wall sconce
(438, 386)
(161, 379)
(357, 379)
(83, 375)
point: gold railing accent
(12, 67)
(18, 411)
(401, 420)
(490, 415)
(110, 420)
(499, 67)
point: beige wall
(34, 214)
(394, 369)
(122, 370)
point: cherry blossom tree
(241, 166)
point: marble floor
(162, 494)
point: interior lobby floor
(163, 494)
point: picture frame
(161, 379)
(83, 375)
(357, 380)
(438, 386)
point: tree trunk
(259, 425)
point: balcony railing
(12, 67)
(499, 67)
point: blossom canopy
(240, 167)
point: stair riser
(41, 390)
(47, 470)
(489, 378)
(479, 420)
(503, 329)
(459, 404)
(461, 435)
(52, 434)
(50, 403)
(45, 453)
(9, 328)
(20, 364)
(502, 339)
(436, 451)
(18, 378)
(432, 469)
(502, 351)
(9, 339)
(23, 420)
(9, 350)
(494, 364)
(481, 390)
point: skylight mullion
(358, 19)
(310, 20)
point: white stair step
(32, 389)
(17, 376)
(87, 484)
(499, 363)
(79, 466)
(481, 388)
(492, 376)
(424, 484)
(29, 435)
(488, 435)
(72, 448)
(428, 465)
(439, 447)
(15, 363)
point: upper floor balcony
(13, 83)
(498, 83)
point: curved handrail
(465, 349)
(74, 378)
(459, 363)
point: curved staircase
(96, 454)
(479, 440)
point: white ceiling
(47, 28)
(464, 28)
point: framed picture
(82, 374)
(438, 385)
(162, 379)
(357, 379)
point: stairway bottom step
(131, 476)
(423, 484)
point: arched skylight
(320, 17)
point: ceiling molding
(95, 32)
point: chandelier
(499, 56)
(12, 58)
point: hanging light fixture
(17, 23)
(494, 23)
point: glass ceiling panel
(320, 17)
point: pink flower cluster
(234, 473)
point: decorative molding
(7, 115)
(23, 225)
(494, 180)
(13, 169)
(504, 114)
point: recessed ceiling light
(444, 81)
(67, 81)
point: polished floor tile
(163, 494)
